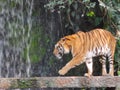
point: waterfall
(15, 32)
(29, 21)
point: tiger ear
(63, 39)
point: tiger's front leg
(89, 64)
(74, 62)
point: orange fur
(84, 46)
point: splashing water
(15, 31)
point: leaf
(61, 7)
(84, 1)
(118, 72)
(73, 14)
(70, 2)
(90, 14)
(119, 42)
(77, 17)
(60, 2)
(75, 6)
(118, 26)
(68, 10)
(66, 25)
(97, 21)
(92, 5)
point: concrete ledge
(60, 82)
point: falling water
(15, 30)
(29, 21)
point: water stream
(15, 29)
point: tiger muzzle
(58, 55)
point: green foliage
(53, 3)
(118, 72)
(72, 11)
(98, 20)
(24, 83)
(117, 56)
(111, 9)
(113, 13)
(91, 14)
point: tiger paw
(62, 72)
(104, 74)
(87, 75)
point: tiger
(84, 46)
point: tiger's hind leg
(111, 59)
(111, 56)
(89, 64)
(103, 61)
(111, 66)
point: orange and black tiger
(84, 46)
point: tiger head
(62, 47)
